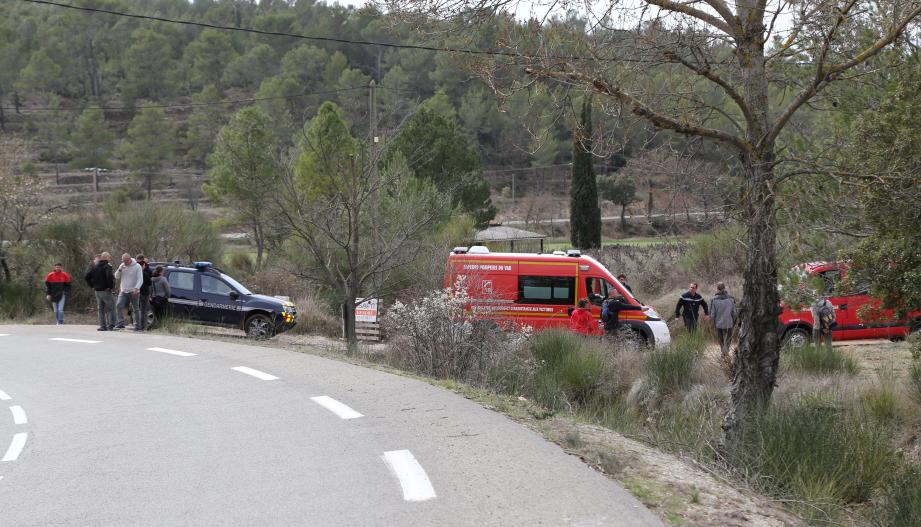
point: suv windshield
(236, 285)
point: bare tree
(704, 68)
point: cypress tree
(584, 213)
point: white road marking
(4, 334)
(336, 407)
(255, 373)
(4, 396)
(19, 441)
(413, 479)
(19, 415)
(81, 341)
(173, 352)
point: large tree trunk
(4, 266)
(259, 238)
(754, 367)
(348, 313)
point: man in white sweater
(131, 276)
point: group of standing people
(581, 320)
(138, 287)
(132, 285)
(723, 311)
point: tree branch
(685, 9)
(643, 110)
(707, 73)
(720, 7)
(826, 75)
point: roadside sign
(366, 309)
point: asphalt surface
(113, 433)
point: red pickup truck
(857, 314)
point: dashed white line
(19, 415)
(173, 352)
(16, 446)
(81, 341)
(4, 334)
(334, 406)
(255, 373)
(4, 396)
(413, 479)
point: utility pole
(375, 190)
(372, 115)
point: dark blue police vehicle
(203, 294)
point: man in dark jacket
(101, 279)
(144, 300)
(688, 306)
(610, 313)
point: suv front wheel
(259, 327)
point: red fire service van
(857, 314)
(538, 290)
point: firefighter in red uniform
(581, 319)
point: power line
(191, 104)
(446, 49)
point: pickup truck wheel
(259, 327)
(796, 338)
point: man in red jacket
(57, 287)
(581, 319)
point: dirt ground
(879, 357)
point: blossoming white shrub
(436, 336)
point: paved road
(564, 221)
(113, 432)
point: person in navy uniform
(689, 306)
(144, 299)
(610, 313)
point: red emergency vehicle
(857, 314)
(539, 290)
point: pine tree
(150, 143)
(92, 140)
(584, 213)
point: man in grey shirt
(724, 313)
(131, 276)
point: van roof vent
(575, 253)
(459, 250)
(559, 253)
(478, 249)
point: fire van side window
(546, 290)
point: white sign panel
(366, 309)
